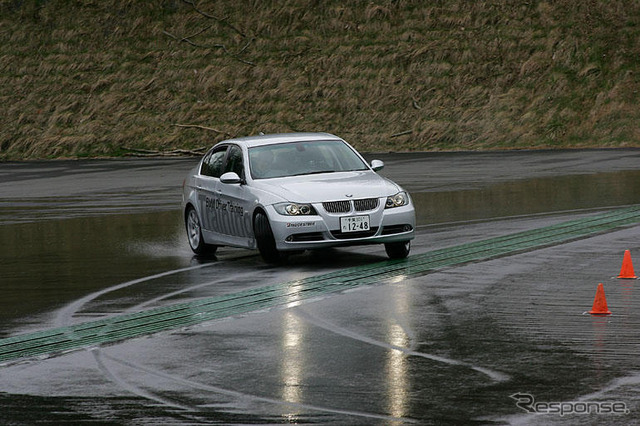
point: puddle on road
(47, 264)
(531, 196)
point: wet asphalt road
(94, 239)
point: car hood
(329, 186)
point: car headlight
(295, 209)
(398, 200)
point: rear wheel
(194, 234)
(398, 250)
(264, 239)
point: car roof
(251, 141)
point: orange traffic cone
(600, 303)
(627, 267)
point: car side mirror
(377, 165)
(230, 178)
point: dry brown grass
(87, 78)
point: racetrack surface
(492, 302)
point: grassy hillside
(87, 78)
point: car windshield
(303, 158)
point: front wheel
(398, 250)
(194, 234)
(264, 239)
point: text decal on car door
(228, 207)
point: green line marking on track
(121, 327)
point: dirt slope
(89, 78)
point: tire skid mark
(250, 397)
(146, 303)
(324, 324)
(64, 316)
(108, 372)
(68, 312)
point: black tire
(264, 239)
(194, 233)
(398, 250)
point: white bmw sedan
(291, 192)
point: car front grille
(362, 205)
(366, 204)
(337, 206)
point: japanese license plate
(354, 223)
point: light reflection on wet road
(348, 358)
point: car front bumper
(387, 225)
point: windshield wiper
(314, 173)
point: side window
(204, 168)
(212, 164)
(234, 161)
